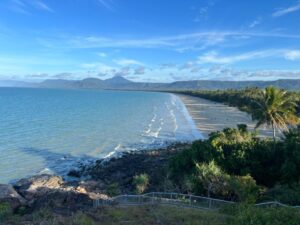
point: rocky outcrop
(104, 176)
(121, 170)
(39, 185)
(52, 191)
(9, 195)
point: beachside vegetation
(244, 99)
(235, 164)
(275, 108)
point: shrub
(113, 189)
(141, 182)
(5, 211)
(244, 188)
(82, 219)
(287, 194)
(291, 166)
(212, 179)
(250, 215)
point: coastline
(209, 116)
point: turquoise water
(50, 131)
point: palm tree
(276, 108)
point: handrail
(170, 198)
(178, 199)
(276, 204)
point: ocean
(53, 130)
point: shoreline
(209, 116)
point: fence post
(190, 200)
(209, 206)
(152, 198)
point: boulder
(9, 195)
(39, 185)
(61, 199)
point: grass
(128, 215)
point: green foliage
(211, 178)
(286, 193)
(5, 211)
(276, 108)
(244, 188)
(113, 189)
(250, 215)
(82, 219)
(234, 164)
(291, 166)
(183, 163)
(141, 182)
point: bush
(183, 163)
(250, 215)
(113, 189)
(244, 188)
(211, 178)
(291, 166)
(287, 194)
(82, 219)
(141, 182)
(5, 211)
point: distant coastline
(211, 116)
(121, 83)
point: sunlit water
(50, 131)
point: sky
(150, 40)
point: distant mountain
(122, 83)
(13, 83)
(117, 80)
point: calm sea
(50, 131)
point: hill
(122, 83)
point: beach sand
(211, 116)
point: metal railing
(182, 200)
(275, 204)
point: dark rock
(38, 185)
(74, 173)
(9, 195)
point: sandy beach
(211, 116)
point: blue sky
(150, 40)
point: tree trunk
(274, 136)
(274, 133)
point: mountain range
(122, 83)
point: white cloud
(140, 70)
(25, 7)
(214, 57)
(181, 43)
(292, 55)
(102, 54)
(108, 4)
(128, 62)
(284, 11)
(98, 67)
(42, 6)
(255, 23)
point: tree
(141, 182)
(211, 177)
(276, 108)
(291, 156)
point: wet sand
(211, 116)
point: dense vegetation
(234, 164)
(244, 99)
